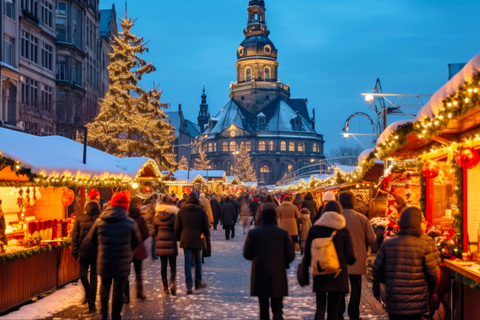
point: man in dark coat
(87, 254)
(298, 201)
(228, 217)
(310, 204)
(271, 250)
(362, 236)
(116, 236)
(192, 230)
(216, 211)
(408, 264)
(236, 205)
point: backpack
(324, 256)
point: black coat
(271, 250)
(236, 205)
(229, 214)
(328, 222)
(163, 225)
(310, 204)
(192, 227)
(116, 236)
(83, 224)
(216, 208)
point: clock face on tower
(233, 133)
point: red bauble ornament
(93, 195)
(467, 158)
(430, 169)
(147, 189)
(67, 197)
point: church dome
(259, 3)
(257, 45)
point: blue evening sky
(329, 51)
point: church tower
(203, 114)
(257, 67)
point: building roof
(230, 114)
(193, 128)
(173, 117)
(106, 17)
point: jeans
(189, 255)
(154, 247)
(277, 308)
(172, 260)
(355, 296)
(333, 312)
(117, 296)
(89, 286)
(229, 229)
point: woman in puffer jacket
(304, 225)
(408, 264)
(167, 248)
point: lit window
(261, 146)
(301, 147)
(248, 146)
(291, 146)
(264, 169)
(290, 168)
(270, 146)
(233, 146)
(248, 76)
(314, 149)
(225, 146)
(210, 147)
(283, 146)
(214, 147)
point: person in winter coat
(228, 217)
(236, 205)
(140, 252)
(216, 211)
(298, 201)
(3, 226)
(116, 236)
(360, 205)
(326, 198)
(304, 225)
(148, 212)
(378, 207)
(167, 249)
(205, 203)
(288, 215)
(363, 236)
(245, 213)
(408, 264)
(310, 204)
(271, 250)
(254, 205)
(87, 254)
(192, 230)
(268, 203)
(323, 285)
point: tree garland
(32, 251)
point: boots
(173, 288)
(140, 294)
(126, 296)
(165, 286)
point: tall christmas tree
(183, 164)
(201, 162)
(243, 166)
(131, 121)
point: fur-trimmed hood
(331, 219)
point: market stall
(186, 181)
(445, 136)
(38, 176)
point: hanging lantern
(430, 169)
(67, 197)
(467, 158)
(147, 189)
(93, 195)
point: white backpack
(324, 256)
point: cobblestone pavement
(227, 295)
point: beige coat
(207, 207)
(288, 215)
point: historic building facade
(277, 130)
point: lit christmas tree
(243, 166)
(183, 164)
(131, 121)
(201, 162)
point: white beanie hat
(328, 196)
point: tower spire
(126, 16)
(256, 24)
(203, 114)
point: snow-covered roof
(230, 114)
(435, 104)
(391, 128)
(189, 175)
(365, 153)
(230, 178)
(346, 169)
(54, 156)
(261, 114)
(251, 184)
(284, 113)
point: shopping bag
(148, 247)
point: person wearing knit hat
(116, 236)
(362, 236)
(328, 196)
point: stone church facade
(277, 130)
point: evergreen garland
(465, 280)
(32, 251)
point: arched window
(270, 146)
(267, 73)
(255, 17)
(225, 146)
(283, 146)
(266, 170)
(261, 146)
(291, 146)
(248, 146)
(233, 146)
(248, 75)
(301, 147)
(314, 149)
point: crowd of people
(108, 238)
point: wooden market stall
(186, 181)
(446, 136)
(37, 175)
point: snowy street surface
(227, 295)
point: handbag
(302, 276)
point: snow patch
(391, 128)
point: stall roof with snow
(59, 157)
(187, 176)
